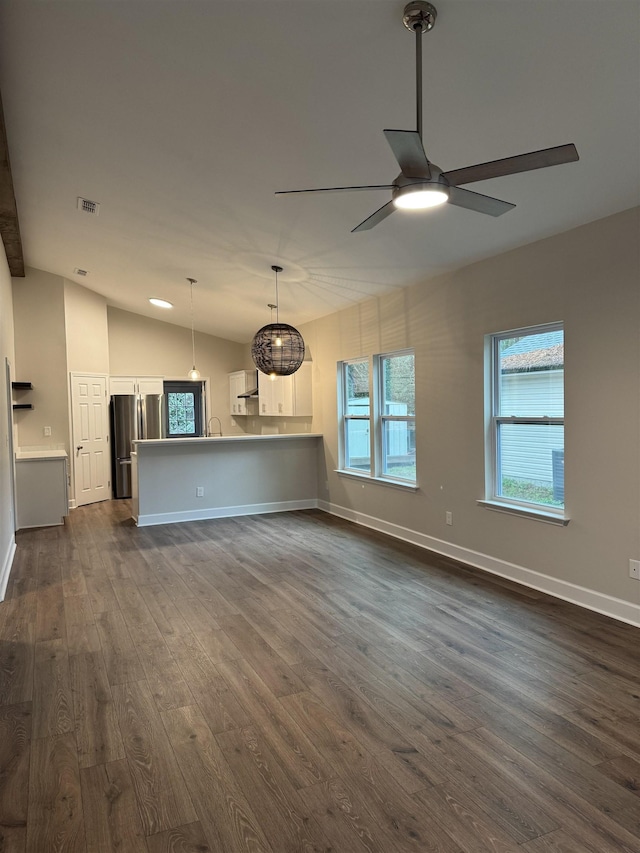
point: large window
(527, 418)
(378, 416)
(183, 409)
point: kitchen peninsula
(187, 479)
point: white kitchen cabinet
(41, 488)
(136, 385)
(241, 382)
(286, 396)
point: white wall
(7, 521)
(589, 279)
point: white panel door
(90, 452)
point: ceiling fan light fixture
(420, 196)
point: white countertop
(217, 439)
(25, 455)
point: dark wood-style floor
(295, 683)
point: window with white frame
(356, 416)
(526, 453)
(377, 404)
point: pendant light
(277, 349)
(194, 373)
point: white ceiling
(182, 118)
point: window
(357, 416)
(527, 419)
(378, 417)
(183, 411)
(396, 374)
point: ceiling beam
(9, 225)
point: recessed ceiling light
(160, 303)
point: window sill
(380, 481)
(525, 512)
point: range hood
(253, 392)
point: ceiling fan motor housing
(419, 16)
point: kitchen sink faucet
(209, 433)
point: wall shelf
(22, 386)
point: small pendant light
(277, 349)
(194, 373)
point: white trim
(526, 512)
(600, 602)
(224, 512)
(367, 478)
(6, 568)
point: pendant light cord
(192, 281)
(276, 270)
(418, 31)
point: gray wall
(140, 346)
(41, 358)
(7, 521)
(588, 278)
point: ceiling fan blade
(478, 202)
(512, 165)
(336, 189)
(408, 150)
(375, 218)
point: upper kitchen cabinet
(241, 382)
(136, 385)
(289, 396)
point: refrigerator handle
(142, 427)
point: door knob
(79, 447)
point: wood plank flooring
(285, 683)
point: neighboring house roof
(534, 352)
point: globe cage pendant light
(277, 349)
(194, 373)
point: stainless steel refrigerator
(133, 416)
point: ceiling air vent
(87, 206)
(78, 271)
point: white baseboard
(616, 608)
(6, 567)
(223, 512)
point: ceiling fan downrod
(419, 17)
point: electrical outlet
(47, 430)
(634, 569)
(449, 518)
(199, 491)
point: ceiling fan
(421, 183)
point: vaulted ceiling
(182, 118)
